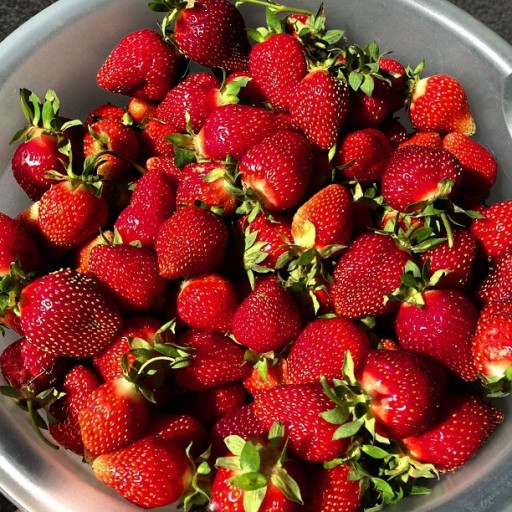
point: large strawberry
(81, 321)
(158, 66)
(268, 318)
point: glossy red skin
(442, 330)
(497, 285)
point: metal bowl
(62, 47)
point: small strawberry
(141, 110)
(428, 139)
(438, 103)
(207, 302)
(278, 170)
(191, 241)
(104, 111)
(268, 370)
(465, 423)
(365, 273)
(479, 167)
(319, 350)
(82, 319)
(268, 318)
(82, 256)
(319, 106)
(158, 66)
(154, 139)
(215, 360)
(497, 284)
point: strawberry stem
(34, 415)
(448, 228)
(275, 8)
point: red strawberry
(250, 94)
(363, 155)
(153, 139)
(141, 110)
(207, 302)
(129, 273)
(319, 106)
(438, 103)
(465, 424)
(278, 170)
(395, 131)
(370, 269)
(157, 66)
(233, 129)
(319, 350)
(428, 139)
(82, 256)
(267, 371)
(167, 166)
(268, 318)
(104, 111)
(216, 360)
(113, 416)
(331, 213)
(479, 168)
(332, 489)
(79, 383)
(152, 472)
(416, 174)
(212, 33)
(277, 64)
(299, 407)
(191, 241)
(82, 319)
(497, 284)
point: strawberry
(82, 256)
(167, 166)
(319, 106)
(494, 238)
(141, 110)
(216, 360)
(82, 320)
(152, 472)
(319, 350)
(153, 139)
(111, 135)
(78, 384)
(241, 126)
(45, 144)
(395, 131)
(330, 212)
(428, 139)
(201, 233)
(363, 155)
(332, 489)
(104, 111)
(129, 273)
(417, 174)
(207, 302)
(209, 32)
(278, 170)
(438, 103)
(268, 371)
(268, 318)
(277, 63)
(299, 407)
(113, 416)
(158, 66)
(365, 273)
(465, 424)
(251, 94)
(281, 480)
(479, 167)
(497, 283)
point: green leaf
(348, 430)
(235, 444)
(376, 452)
(336, 416)
(249, 481)
(368, 85)
(253, 499)
(250, 458)
(289, 487)
(355, 79)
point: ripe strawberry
(363, 155)
(166, 165)
(497, 284)
(395, 131)
(216, 360)
(78, 384)
(428, 139)
(319, 350)
(233, 129)
(365, 273)
(278, 170)
(299, 407)
(331, 213)
(277, 63)
(332, 489)
(111, 135)
(494, 238)
(207, 302)
(479, 168)
(82, 256)
(152, 472)
(158, 66)
(153, 139)
(113, 416)
(416, 174)
(319, 106)
(141, 110)
(211, 33)
(268, 318)
(465, 424)
(82, 320)
(129, 273)
(104, 111)
(438, 103)
(268, 371)
(191, 241)
(250, 94)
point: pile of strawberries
(268, 283)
